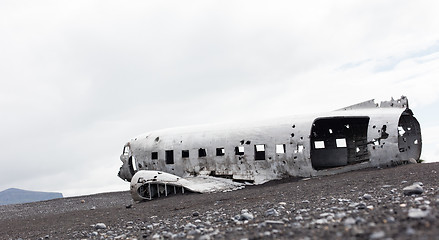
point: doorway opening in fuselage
(338, 141)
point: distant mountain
(15, 195)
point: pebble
(100, 226)
(349, 221)
(246, 216)
(415, 188)
(272, 212)
(189, 226)
(361, 205)
(377, 235)
(410, 231)
(367, 196)
(321, 221)
(418, 213)
(273, 222)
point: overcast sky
(81, 78)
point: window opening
(239, 150)
(184, 153)
(202, 152)
(319, 144)
(132, 165)
(340, 142)
(154, 155)
(126, 150)
(280, 148)
(169, 156)
(220, 152)
(260, 152)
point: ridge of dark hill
(364, 204)
(15, 196)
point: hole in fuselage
(337, 141)
(409, 137)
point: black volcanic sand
(366, 204)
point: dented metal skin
(359, 136)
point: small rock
(272, 212)
(196, 214)
(410, 231)
(205, 237)
(189, 226)
(415, 188)
(377, 235)
(321, 221)
(82, 201)
(418, 213)
(419, 199)
(273, 222)
(412, 161)
(246, 216)
(349, 221)
(361, 205)
(367, 196)
(100, 226)
(326, 214)
(390, 219)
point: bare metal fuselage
(359, 136)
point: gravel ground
(393, 203)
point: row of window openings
(259, 152)
(340, 143)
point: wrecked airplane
(213, 158)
